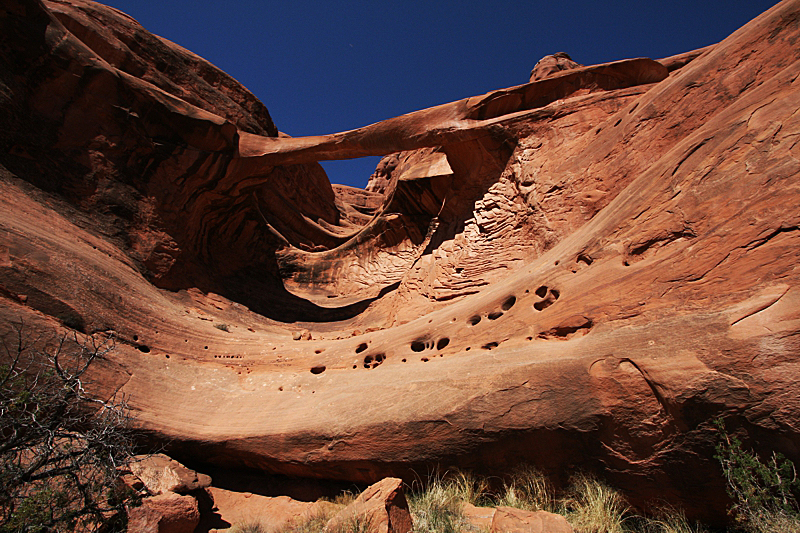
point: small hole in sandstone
(417, 346)
(490, 345)
(206, 348)
(135, 338)
(626, 263)
(361, 347)
(617, 123)
(331, 296)
(317, 351)
(319, 369)
(187, 340)
(467, 348)
(424, 359)
(167, 356)
(528, 338)
(541, 292)
(509, 303)
(494, 315)
(443, 342)
(403, 360)
(380, 357)
(556, 262)
(280, 388)
(527, 291)
(473, 320)
(555, 293)
(429, 321)
(355, 366)
(143, 348)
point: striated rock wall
(581, 272)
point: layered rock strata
(580, 272)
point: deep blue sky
(322, 67)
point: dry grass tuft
(669, 520)
(249, 527)
(528, 489)
(772, 522)
(593, 507)
(314, 523)
(344, 498)
(438, 508)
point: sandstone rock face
(581, 272)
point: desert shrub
(591, 506)
(61, 449)
(761, 490)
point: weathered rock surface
(381, 508)
(478, 518)
(231, 508)
(552, 64)
(159, 474)
(165, 513)
(578, 272)
(511, 520)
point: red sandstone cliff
(578, 272)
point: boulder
(552, 64)
(478, 518)
(165, 513)
(511, 520)
(160, 474)
(238, 508)
(381, 508)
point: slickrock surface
(578, 272)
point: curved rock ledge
(581, 272)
